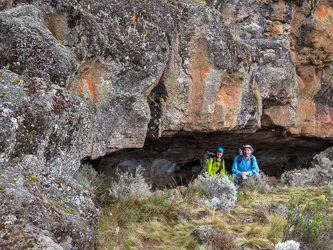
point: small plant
(130, 185)
(289, 244)
(218, 191)
(276, 223)
(330, 186)
(259, 184)
(87, 176)
(3, 94)
(308, 220)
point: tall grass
(275, 229)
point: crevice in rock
(155, 101)
(171, 161)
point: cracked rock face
(82, 79)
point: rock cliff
(82, 79)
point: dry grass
(163, 223)
(254, 243)
(275, 230)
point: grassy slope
(164, 223)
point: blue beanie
(219, 150)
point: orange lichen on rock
(205, 71)
(321, 12)
(324, 15)
(90, 87)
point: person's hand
(244, 176)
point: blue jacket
(245, 166)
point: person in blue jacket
(245, 166)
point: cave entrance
(172, 161)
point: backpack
(240, 155)
(204, 160)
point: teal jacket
(245, 166)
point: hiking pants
(238, 180)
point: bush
(88, 177)
(287, 245)
(308, 220)
(259, 184)
(130, 185)
(218, 191)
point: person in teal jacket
(216, 164)
(245, 166)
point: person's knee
(237, 179)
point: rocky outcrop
(41, 210)
(321, 171)
(221, 67)
(82, 79)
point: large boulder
(42, 210)
(321, 171)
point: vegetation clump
(289, 244)
(259, 184)
(88, 177)
(133, 216)
(218, 191)
(309, 220)
(130, 185)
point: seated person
(245, 166)
(216, 164)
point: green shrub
(308, 220)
